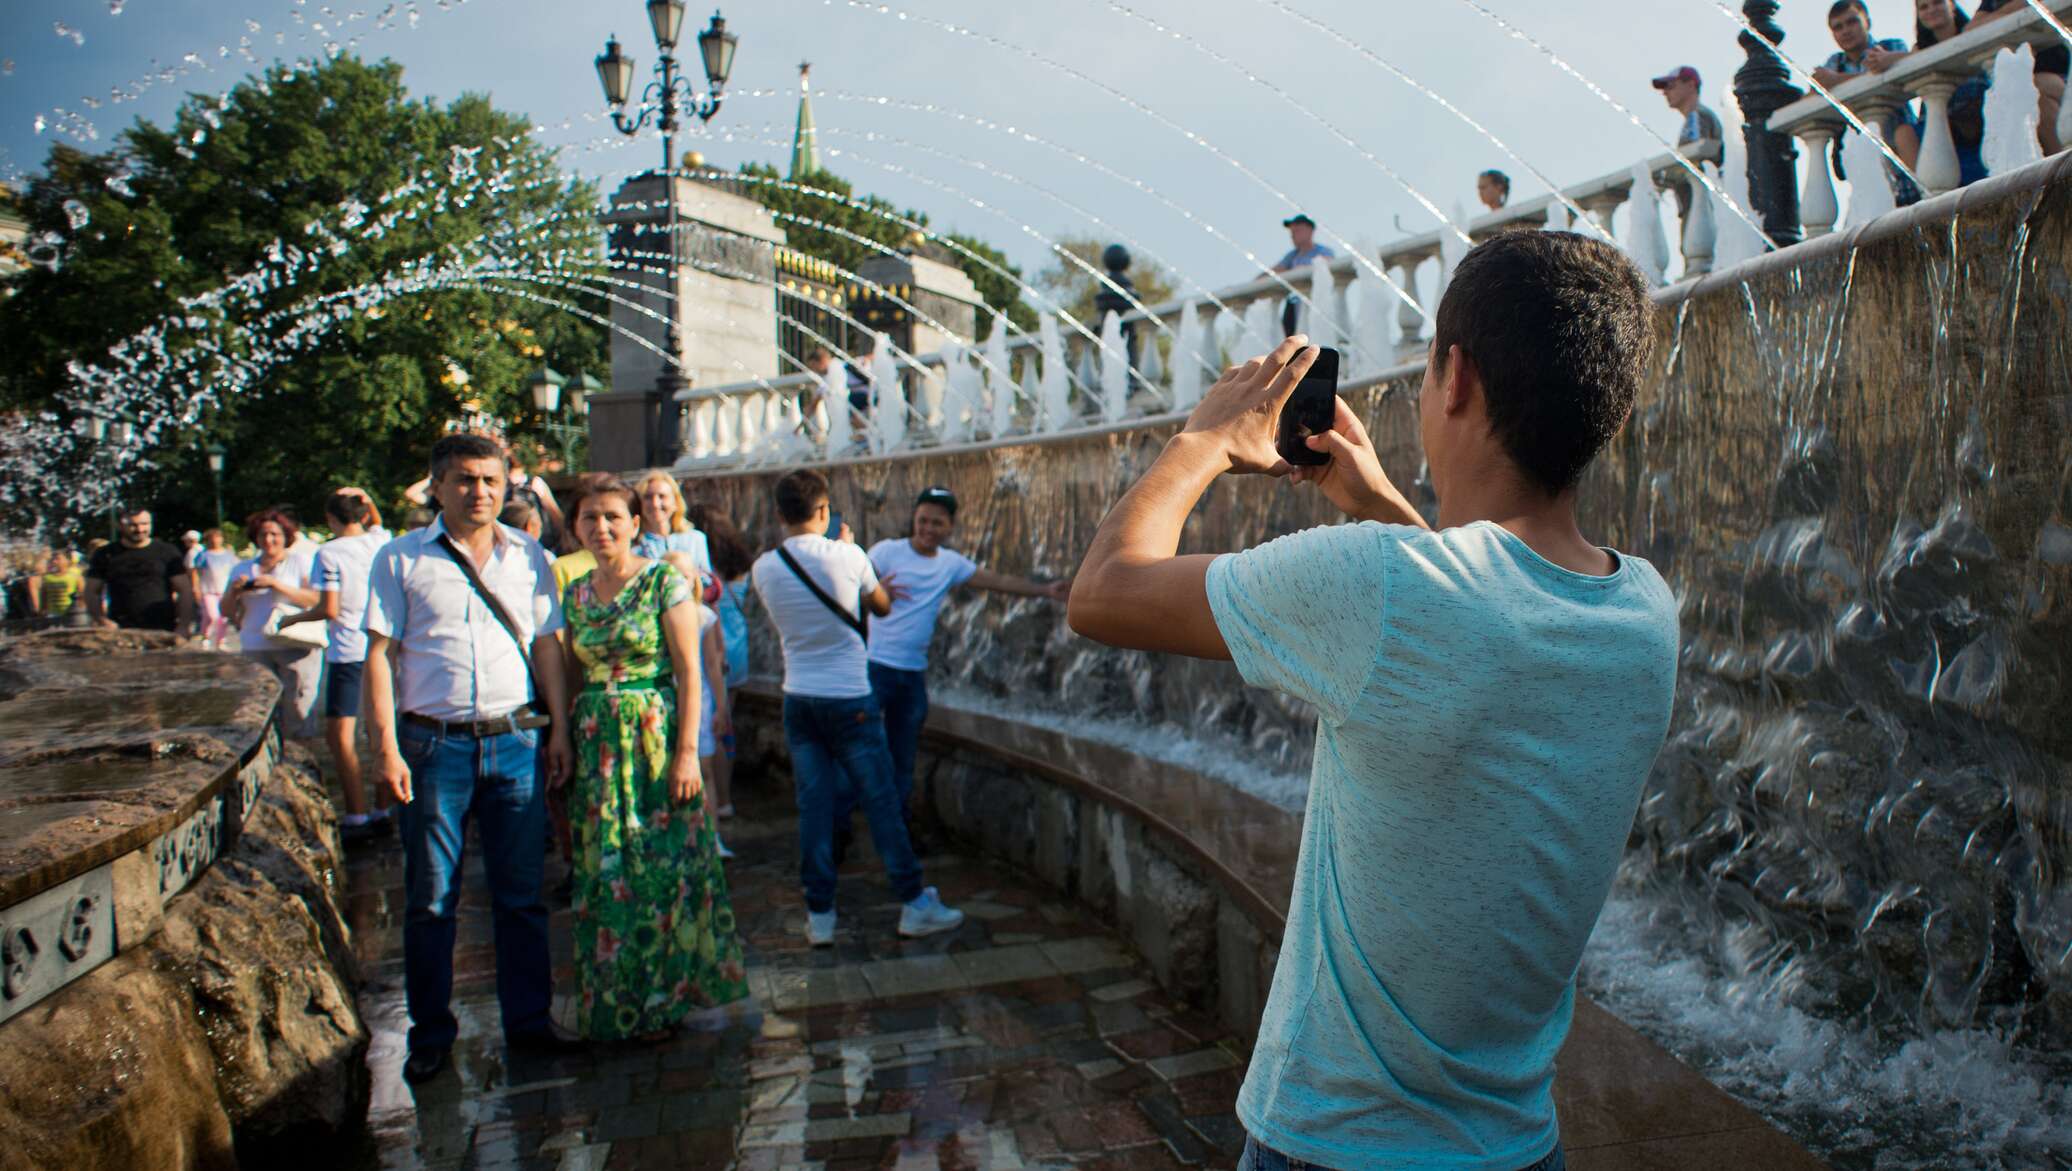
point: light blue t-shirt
(900, 639)
(1485, 722)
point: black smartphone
(834, 525)
(1310, 411)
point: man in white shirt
(471, 722)
(815, 590)
(340, 572)
(920, 571)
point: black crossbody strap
(496, 607)
(856, 621)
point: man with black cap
(1302, 233)
(1679, 88)
(919, 570)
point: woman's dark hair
(1559, 326)
(264, 516)
(1924, 38)
(347, 508)
(731, 556)
(602, 484)
(1502, 181)
(798, 494)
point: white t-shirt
(260, 604)
(823, 656)
(343, 566)
(214, 566)
(900, 639)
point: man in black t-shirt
(145, 580)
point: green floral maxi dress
(654, 930)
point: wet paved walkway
(1028, 1038)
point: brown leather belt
(521, 720)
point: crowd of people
(1491, 689)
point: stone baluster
(748, 433)
(726, 430)
(1818, 206)
(1937, 165)
(1603, 205)
(1700, 231)
(704, 414)
(1409, 319)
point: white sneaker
(927, 916)
(722, 847)
(820, 928)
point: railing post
(702, 413)
(1819, 210)
(1700, 232)
(1937, 166)
(726, 430)
(1763, 86)
(1409, 321)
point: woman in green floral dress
(654, 930)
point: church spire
(805, 146)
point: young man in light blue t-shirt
(1490, 695)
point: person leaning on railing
(1849, 22)
(1936, 21)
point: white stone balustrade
(1932, 75)
(1054, 379)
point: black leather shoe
(546, 1042)
(423, 1065)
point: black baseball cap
(1298, 218)
(942, 498)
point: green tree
(827, 221)
(1075, 288)
(379, 218)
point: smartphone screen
(834, 525)
(1310, 411)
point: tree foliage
(822, 216)
(339, 170)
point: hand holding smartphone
(1309, 411)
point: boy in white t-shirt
(341, 571)
(815, 590)
(920, 571)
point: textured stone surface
(237, 1018)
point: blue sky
(535, 56)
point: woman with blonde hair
(665, 525)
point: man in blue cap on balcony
(1679, 88)
(1302, 238)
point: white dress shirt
(457, 662)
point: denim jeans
(495, 780)
(1258, 1157)
(903, 697)
(838, 743)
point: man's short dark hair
(517, 513)
(1497, 177)
(1841, 6)
(451, 449)
(942, 498)
(1560, 326)
(347, 508)
(799, 494)
(129, 510)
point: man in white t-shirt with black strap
(921, 571)
(816, 589)
(341, 571)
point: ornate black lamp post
(565, 427)
(1763, 86)
(662, 100)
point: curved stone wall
(1853, 461)
(179, 983)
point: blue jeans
(903, 697)
(1264, 1158)
(837, 744)
(494, 780)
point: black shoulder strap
(856, 622)
(496, 607)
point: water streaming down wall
(1857, 474)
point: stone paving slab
(992, 1048)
